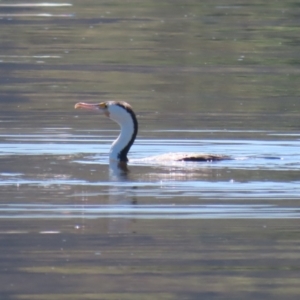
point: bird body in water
(122, 113)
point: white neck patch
(124, 119)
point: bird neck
(121, 146)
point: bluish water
(202, 77)
(260, 170)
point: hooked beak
(91, 106)
(88, 106)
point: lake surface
(213, 77)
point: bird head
(102, 107)
(118, 111)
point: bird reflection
(120, 194)
(118, 171)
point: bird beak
(88, 106)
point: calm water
(217, 77)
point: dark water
(218, 77)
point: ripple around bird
(75, 168)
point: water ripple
(148, 211)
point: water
(202, 77)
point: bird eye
(102, 105)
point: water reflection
(13, 8)
(120, 196)
(202, 79)
(47, 15)
(118, 171)
(41, 4)
(120, 200)
(121, 211)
